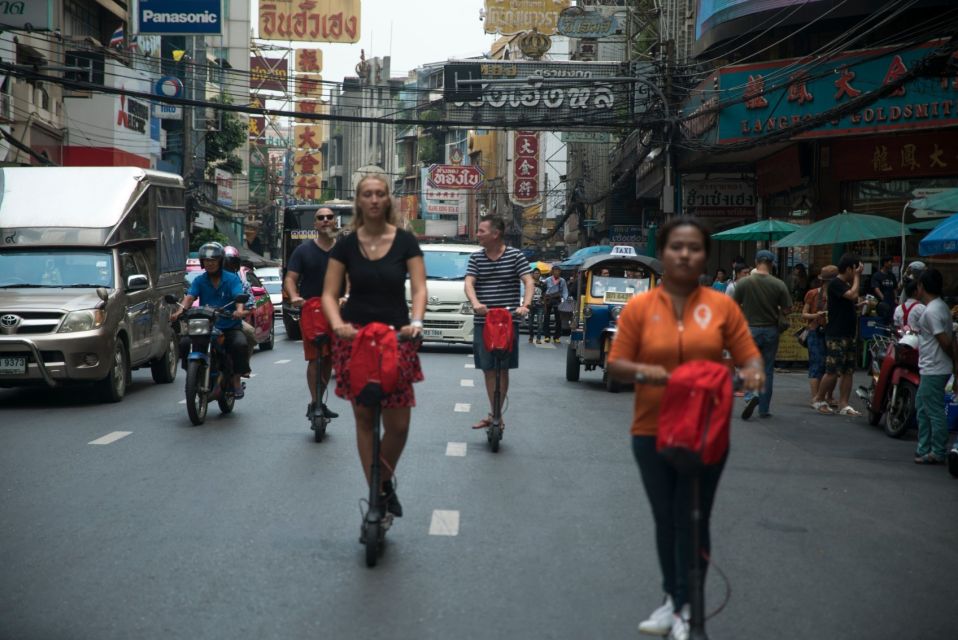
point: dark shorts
(410, 371)
(484, 360)
(840, 355)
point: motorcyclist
(231, 262)
(217, 287)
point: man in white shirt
(936, 356)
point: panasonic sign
(180, 17)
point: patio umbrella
(766, 230)
(577, 258)
(543, 267)
(926, 225)
(942, 239)
(841, 228)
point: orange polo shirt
(649, 333)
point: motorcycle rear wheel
(901, 411)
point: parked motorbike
(894, 383)
(209, 368)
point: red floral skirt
(410, 371)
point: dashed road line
(470, 366)
(467, 383)
(181, 402)
(444, 523)
(282, 362)
(462, 407)
(110, 438)
(456, 449)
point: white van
(449, 315)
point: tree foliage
(207, 235)
(220, 144)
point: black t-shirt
(887, 283)
(377, 288)
(841, 311)
(309, 261)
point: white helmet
(910, 339)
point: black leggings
(670, 497)
(236, 345)
(552, 312)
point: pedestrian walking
(305, 274)
(840, 328)
(537, 307)
(377, 257)
(658, 330)
(883, 286)
(936, 362)
(739, 270)
(556, 292)
(764, 300)
(493, 276)
(721, 281)
(814, 311)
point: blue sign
(180, 17)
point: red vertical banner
(525, 167)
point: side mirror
(242, 298)
(138, 282)
(258, 291)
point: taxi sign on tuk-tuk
(624, 250)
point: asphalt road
(245, 528)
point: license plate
(431, 333)
(617, 296)
(13, 365)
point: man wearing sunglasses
(304, 280)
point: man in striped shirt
(492, 280)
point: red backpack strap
(906, 311)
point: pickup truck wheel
(268, 344)
(112, 388)
(164, 368)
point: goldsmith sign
(513, 16)
(543, 95)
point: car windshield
(273, 286)
(603, 284)
(45, 268)
(446, 265)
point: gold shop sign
(513, 16)
(310, 20)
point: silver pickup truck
(86, 256)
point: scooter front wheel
(495, 436)
(319, 423)
(373, 535)
(197, 400)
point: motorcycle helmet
(910, 339)
(231, 260)
(212, 251)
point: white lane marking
(467, 383)
(470, 366)
(110, 438)
(456, 449)
(252, 375)
(545, 346)
(282, 362)
(181, 402)
(462, 407)
(444, 523)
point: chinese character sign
(309, 86)
(257, 128)
(307, 136)
(525, 173)
(310, 20)
(309, 60)
(513, 16)
(308, 163)
(310, 106)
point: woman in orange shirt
(677, 322)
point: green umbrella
(840, 228)
(926, 225)
(766, 230)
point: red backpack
(498, 333)
(312, 320)
(695, 417)
(374, 359)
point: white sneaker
(680, 624)
(660, 621)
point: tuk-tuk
(604, 284)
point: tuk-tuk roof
(622, 261)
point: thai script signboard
(310, 20)
(718, 198)
(27, 14)
(513, 16)
(271, 74)
(451, 176)
(785, 93)
(590, 24)
(545, 95)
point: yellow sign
(307, 136)
(514, 16)
(310, 20)
(309, 60)
(308, 86)
(308, 163)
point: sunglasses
(329, 217)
